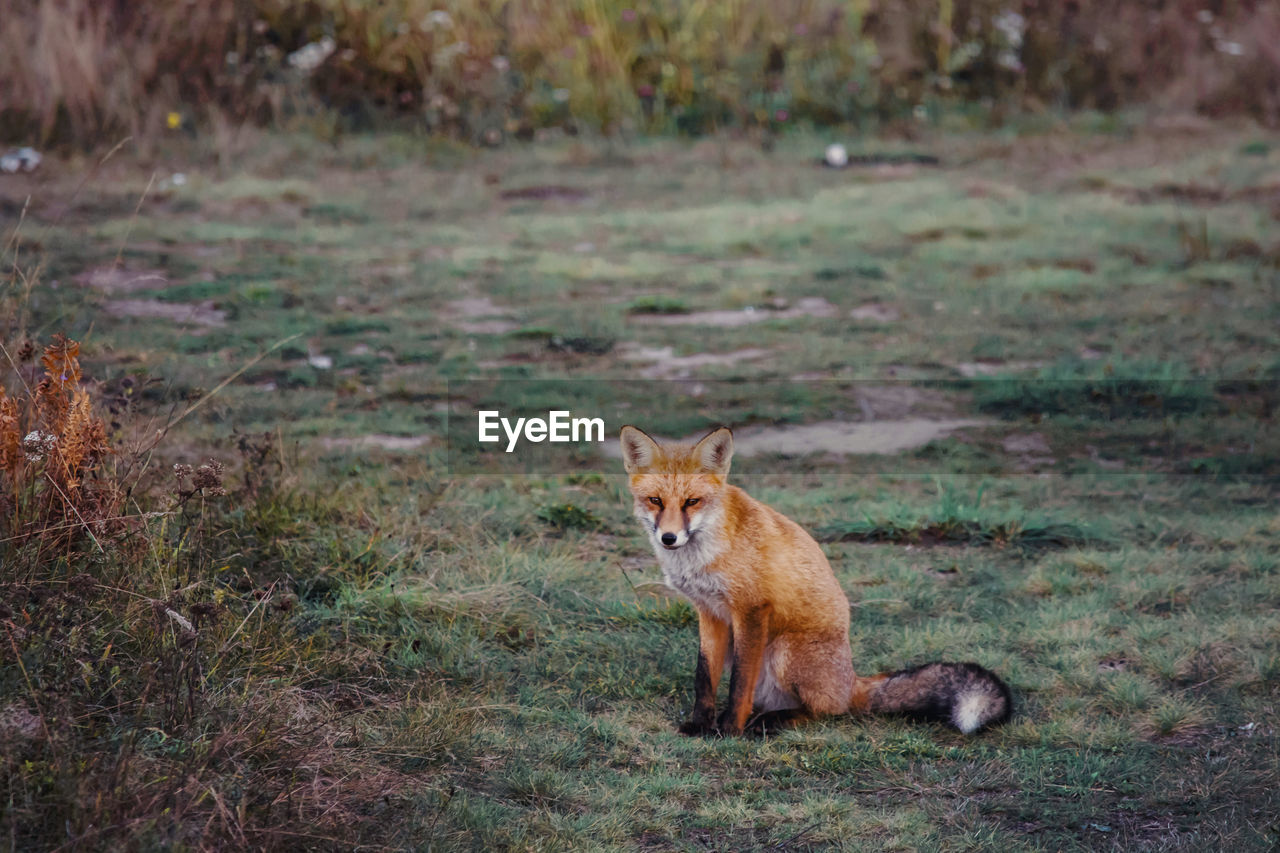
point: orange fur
(768, 603)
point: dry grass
(75, 70)
(148, 695)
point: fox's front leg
(713, 644)
(750, 635)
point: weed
(1114, 390)
(658, 304)
(569, 516)
(958, 519)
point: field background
(334, 638)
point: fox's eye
(656, 502)
(691, 501)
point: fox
(770, 610)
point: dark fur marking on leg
(704, 700)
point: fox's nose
(668, 539)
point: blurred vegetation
(489, 70)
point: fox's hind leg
(818, 673)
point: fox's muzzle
(673, 540)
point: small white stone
(30, 158)
(836, 156)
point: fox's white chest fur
(685, 568)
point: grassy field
(394, 646)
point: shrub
(486, 69)
(150, 695)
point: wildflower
(449, 52)
(36, 445)
(29, 159)
(208, 478)
(311, 56)
(781, 115)
(173, 120)
(1012, 26)
(1009, 59)
(628, 15)
(439, 18)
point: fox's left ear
(715, 451)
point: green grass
(409, 656)
(957, 520)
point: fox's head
(677, 489)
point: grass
(959, 520)
(402, 653)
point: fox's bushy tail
(964, 695)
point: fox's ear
(638, 450)
(715, 451)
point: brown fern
(53, 492)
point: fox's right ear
(638, 450)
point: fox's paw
(772, 722)
(697, 728)
(726, 727)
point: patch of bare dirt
(1031, 448)
(895, 401)
(1025, 443)
(113, 279)
(379, 441)
(545, 192)
(18, 725)
(875, 313)
(853, 438)
(813, 306)
(480, 315)
(994, 367)
(184, 313)
(848, 439)
(665, 364)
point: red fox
(769, 605)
